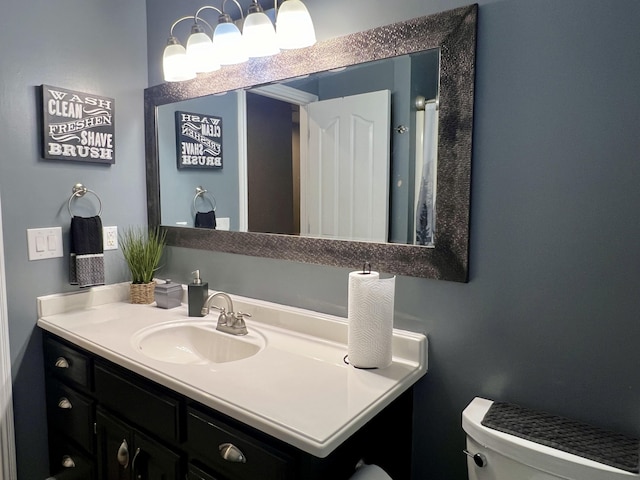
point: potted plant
(142, 249)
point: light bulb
(175, 64)
(200, 51)
(259, 34)
(294, 27)
(229, 44)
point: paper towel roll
(370, 472)
(370, 320)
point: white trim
(304, 171)
(285, 94)
(7, 437)
(243, 186)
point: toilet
(494, 455)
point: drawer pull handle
(62, 362)
(133, 462)
(231, 453)
(67, 462)
(65, 403)
(123, 454)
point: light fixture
(200, 51)
(176, 65)
(258, 33)
(294, 27)
(228, 46)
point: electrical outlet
(110, 238)
(223, 223)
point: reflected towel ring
(79, 190)
(201, 192)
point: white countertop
(297, 389)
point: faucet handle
(238, 318)
(239, 327)
(205, 309)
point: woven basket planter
(142, 292)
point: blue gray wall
(549, 317)
(95, 47)
(177, 205)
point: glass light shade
(229, 45)
(175, 64)
(294, 27)
(201, 53)
(259, 35)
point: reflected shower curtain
(425, 174)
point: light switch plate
(44, 242)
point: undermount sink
(195, 342)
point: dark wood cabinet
(108, 423)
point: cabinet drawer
(196, 474)
(67, 463)
(70, 413)
(205, 436)
(67, 362)
(141, 402)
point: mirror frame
(454, 33)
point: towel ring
(201, 192)
(79, 190)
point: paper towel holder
(366, 268)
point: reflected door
(344, 168)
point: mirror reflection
(343, 154)
(450, 36)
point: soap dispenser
(197, 294)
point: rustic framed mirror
(450, 37)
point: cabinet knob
(64, 403)
(67, 462)
(231, 453)
(62, 362)
(123, 454)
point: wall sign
(199, 140)
(78, 126)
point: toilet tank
(508, 457)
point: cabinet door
(115, 448)
(152, 461)
(126, 454)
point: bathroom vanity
(138, 392)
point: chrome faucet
(228, 320)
